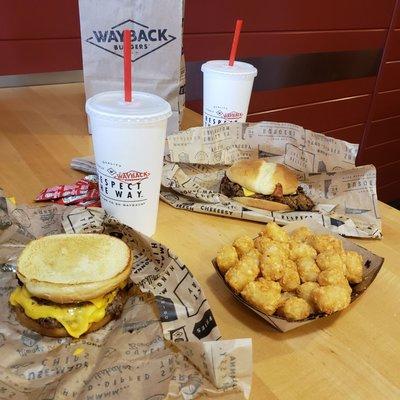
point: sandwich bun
(268, 205)
(74, 293)
(261, 176)
(70, 259)
(74, 268)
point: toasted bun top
(73, 259)
(62, 293)
(261, 177)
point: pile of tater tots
(291, 275)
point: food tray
(372, 264)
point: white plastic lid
(144, 107)
(223, 67)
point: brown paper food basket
(372, 264)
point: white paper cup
(128, 141)
(226, 91)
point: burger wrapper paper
(165, 345)
(372, 264)
(345, 195)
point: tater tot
(345, 284)
(354, 267)
(243, 245)
(307, 269)
(245, 271)
(291, 275)
(296, 309)
(290, 264)
(342, 256)
(272, 266)
(330, 299)
(263, 294)
(226, 258)
(323, 243)
(261, 242)
(299, 250)
(254, 253)
(330, 259)
(284, 297)
(300, 234)
(275, 232)
(305, 290)
(290, 280)
(276, 249)
(331, 277)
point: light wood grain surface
(352, 355)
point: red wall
(43, 35)
(39, 36)
(381, 140)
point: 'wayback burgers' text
(145, 39)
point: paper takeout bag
(345, 195)
(372, 264)
(166, 342)
(157, 55)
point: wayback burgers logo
(145, 39)
(132, 176)
(230, 115)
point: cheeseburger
(70, 285)
(265, 185)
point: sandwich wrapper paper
(372, 264)
(345, 195)
(165, 345)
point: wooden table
(353, 355)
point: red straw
(127, 65)
(235, 41)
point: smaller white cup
(226, 91)
(128, 142)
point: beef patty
(298, 201)
(114, 308)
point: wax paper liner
(345, 195)
(372, 265)
(165, 345)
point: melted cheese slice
(247, 192)
(75, 319)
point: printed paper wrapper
(372, 265)
(345, 195)
(165, 345)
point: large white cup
(226, 91)
(128, 140)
